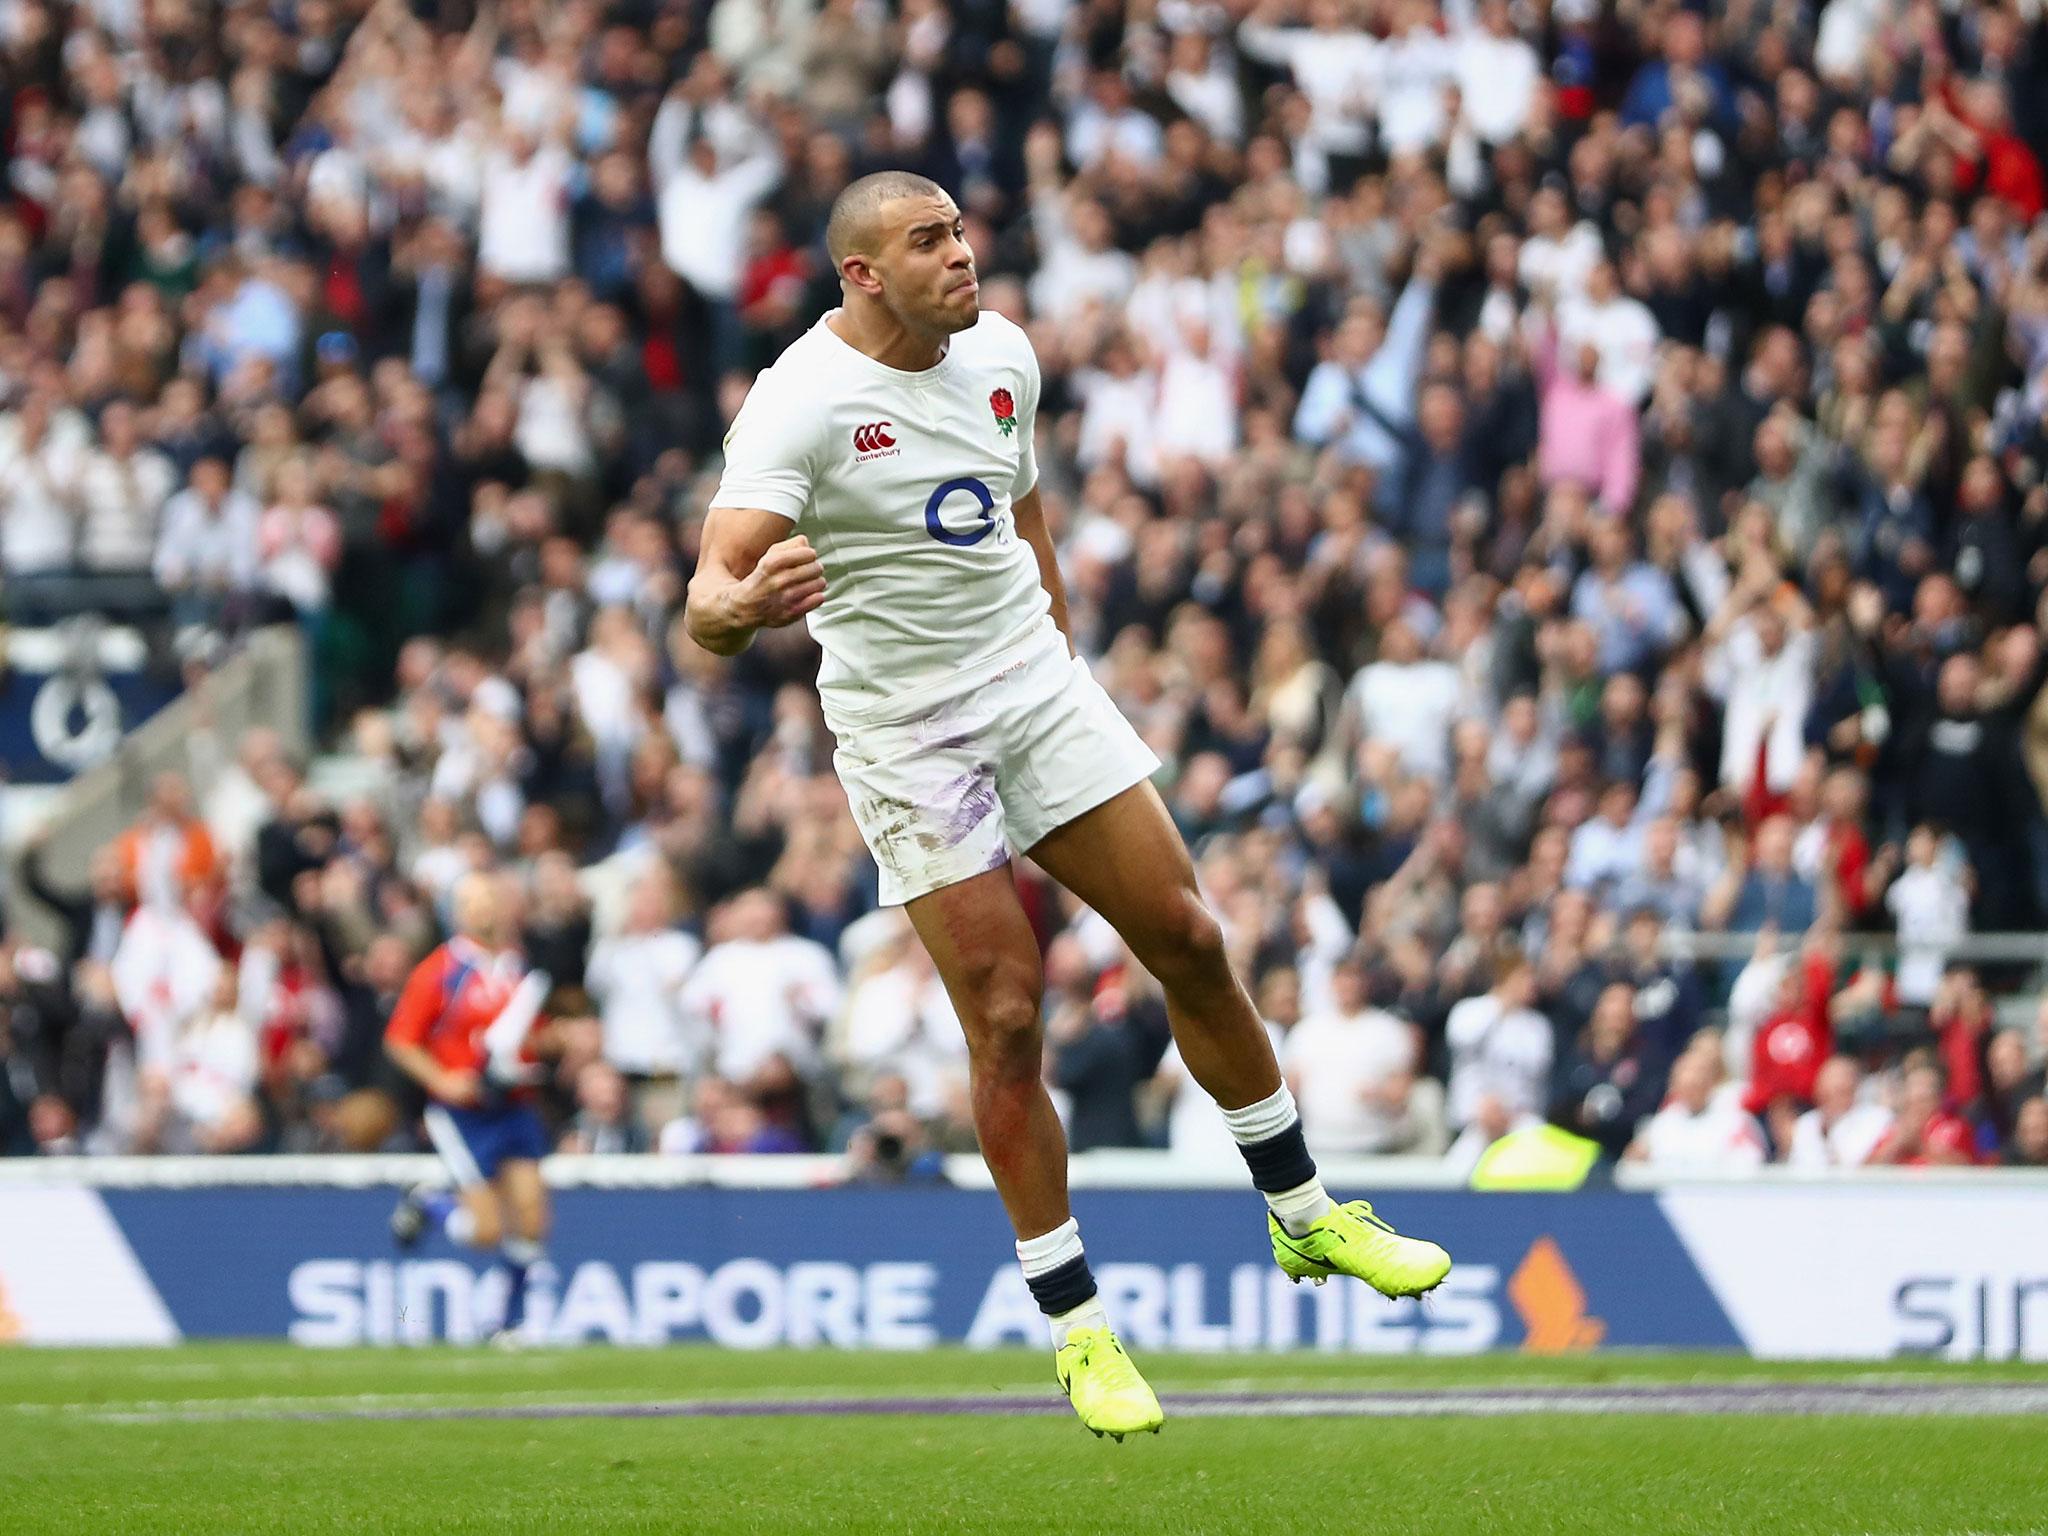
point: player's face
(479, 910)
(928, 275)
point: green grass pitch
(257, 1438)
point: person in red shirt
(462, 1030)
(1961, 1017)
(1791, 1044)
(1926, 1133)
(1844, 852)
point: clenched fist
(787, 584)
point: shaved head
(852, 226)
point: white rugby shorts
(943, 788)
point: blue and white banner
(1781, 1272)
(68, 695)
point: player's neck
(873, 331)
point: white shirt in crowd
(1497, 80)
(703, 219)
(1120, 423)
(119, 503)
(1761, 694)
(1499, 1051)
(760, 998)
(213, 1068)
(1414, 71)
(1847, 1143)
(924, 570)
(1212, 99)
(1624, 333)
(1560, 265)
(38, 525)
(1722, 1137)
(899, 1019)
(164, 972)
(1071, 276)
(1195, 1132)
(1337, 1058)
(637, 980)
(1338, 72)
(1933, 914)
(523, 226)
(212, 547)
(1412, 706)
(1197, 412)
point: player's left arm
(1026, 508)
(1030, 514)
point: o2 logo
(986, 507)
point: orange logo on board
(11, 1328)
(1552, 1303)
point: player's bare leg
(477, 1222)
(523, 1198)
(1126, 859)
(986, 954)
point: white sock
(1296, 1209)
(1041, 1256)
(1087, 1315)
(1264, 1120)
(460, 1225)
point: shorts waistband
(968, 675)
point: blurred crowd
(1545, 475)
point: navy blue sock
(1279, 1162)
(1062, 1289)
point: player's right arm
(749, 577)
(751, 574)
(405, 1037)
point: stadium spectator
(1701, 1128)
(205, 1102)
(1501, 1050)
(760, 991)
(637, 976)
(1844, 1127)
(1354, 1071)
(1926, 1131)
(1610, 1080)
(2028, 1147)
(606, 1121)
(1103, 1038)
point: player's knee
(1004, 1031)
(1188, 939)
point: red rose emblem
(1005, 410)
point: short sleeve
(1027, 424)
(768, 454)
(418, 1005)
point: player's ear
(858, 272)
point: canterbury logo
(873, 437)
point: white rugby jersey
(903, 482)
